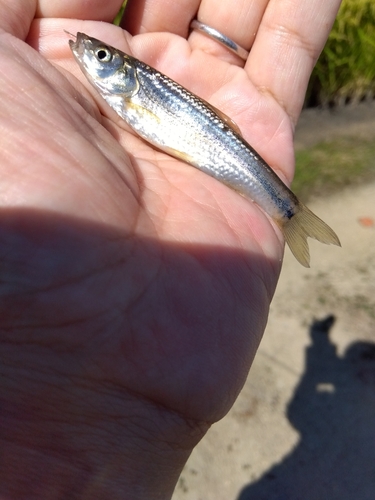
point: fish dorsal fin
(232, 124)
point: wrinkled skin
(134, 289)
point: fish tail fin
(302, 225)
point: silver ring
(219, 37)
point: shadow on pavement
(333, 409)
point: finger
(237, 20)
(159, 15)
(289, 40)
(16, 17)
(96, 10)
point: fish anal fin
(302, 225)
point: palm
(172, 262)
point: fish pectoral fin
(140, 110)
(231, 123)
(179, 155)
(302, 225)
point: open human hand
(134, 288)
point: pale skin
(134, 289)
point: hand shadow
(333, 408)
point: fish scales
(212, 146)
(180, 123)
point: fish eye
(103, 54)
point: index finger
(159, 15)
(95, 10)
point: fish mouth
(78, 45)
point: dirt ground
(303, 427)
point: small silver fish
(178, 122)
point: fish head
(106, 68)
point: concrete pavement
(303, 427)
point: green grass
(346, 67)
(330, 166)
(120, 13)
